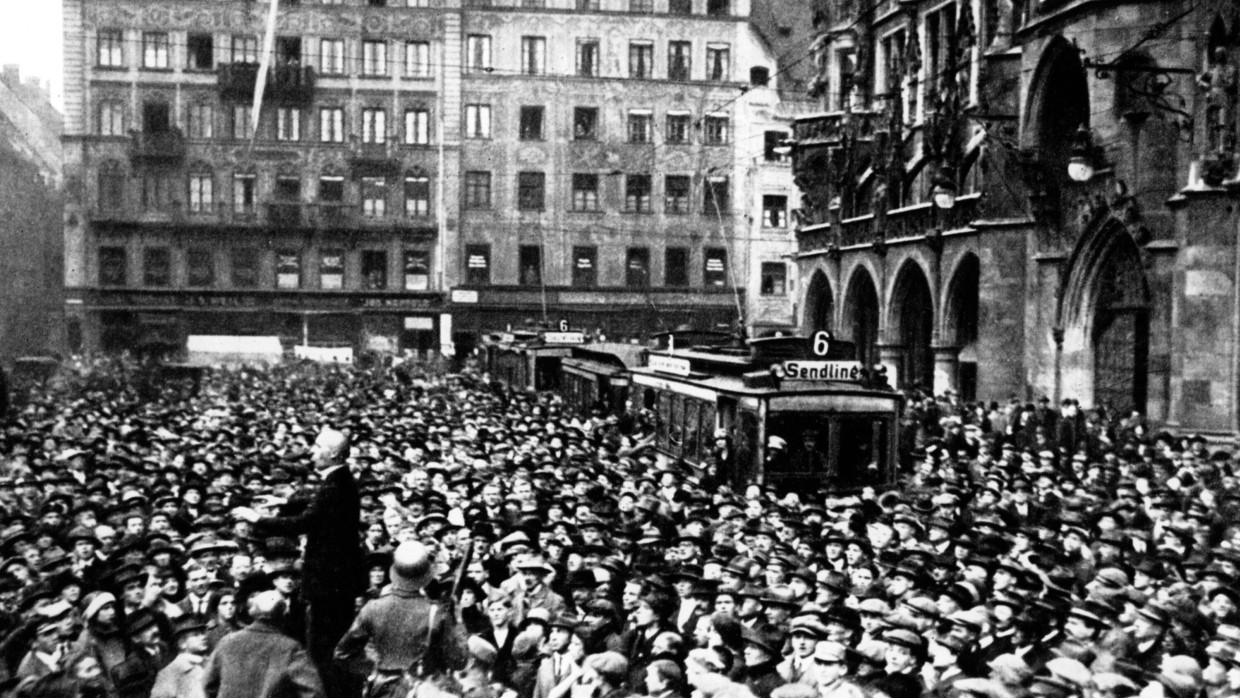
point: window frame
(533, 55)
(531, 191)
(419, 132)
(531, 123)
(332, 60)
(635, 201)
(677, 203)
(641, 59)
(478, 53)
(580, 134)
(157, 46)
(374, 58)
(115, 49)
(585, 199)
(478, 194)
(477, 275)
(585, 276)
(778, 282)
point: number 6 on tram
(799, 412)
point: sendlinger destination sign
(822, 370)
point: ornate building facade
(423, 170)
(1027, 198)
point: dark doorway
(913, 310)
(962, 323)
(861, 316)
(1121, 335)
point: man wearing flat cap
(830, 672)
(904, 655)
(183, 677)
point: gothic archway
(912, 316)
(819, 304)
(960, 326)
(861, 315)
(1105, 313)
(1058, 106)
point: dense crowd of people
(309, 530)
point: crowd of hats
(1109, 562)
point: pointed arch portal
(819, 304)
(1105, 313)
(861, 315)
(912, 308)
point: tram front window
(854, 460)
(862, 447)
(805, 451)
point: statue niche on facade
(1220, 84)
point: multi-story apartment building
(422, 170)
(1029, 199)
(31, 200)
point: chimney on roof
(13, 75)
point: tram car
(527, 359)
(800, 412)
(596, 376)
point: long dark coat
(333, 568)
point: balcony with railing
(157, 147)
(908, 222)
(828, 129)
(287, 84)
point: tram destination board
(822, 371)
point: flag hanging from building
(264, 64)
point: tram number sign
(822, 343)
(822, 370)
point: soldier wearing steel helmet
(413, 637)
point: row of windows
(155, 192)
(380, 58)
(244, 265)
(584, 266)
(243, 268)
(585, 193)
(639, 125)
(679, 59)
(716, 8)
(289, 124)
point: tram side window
(707, 431)
(862, 451)
(663, 416)
(691, 430)
(675, 427)
(746, 447)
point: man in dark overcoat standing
(333, 572)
